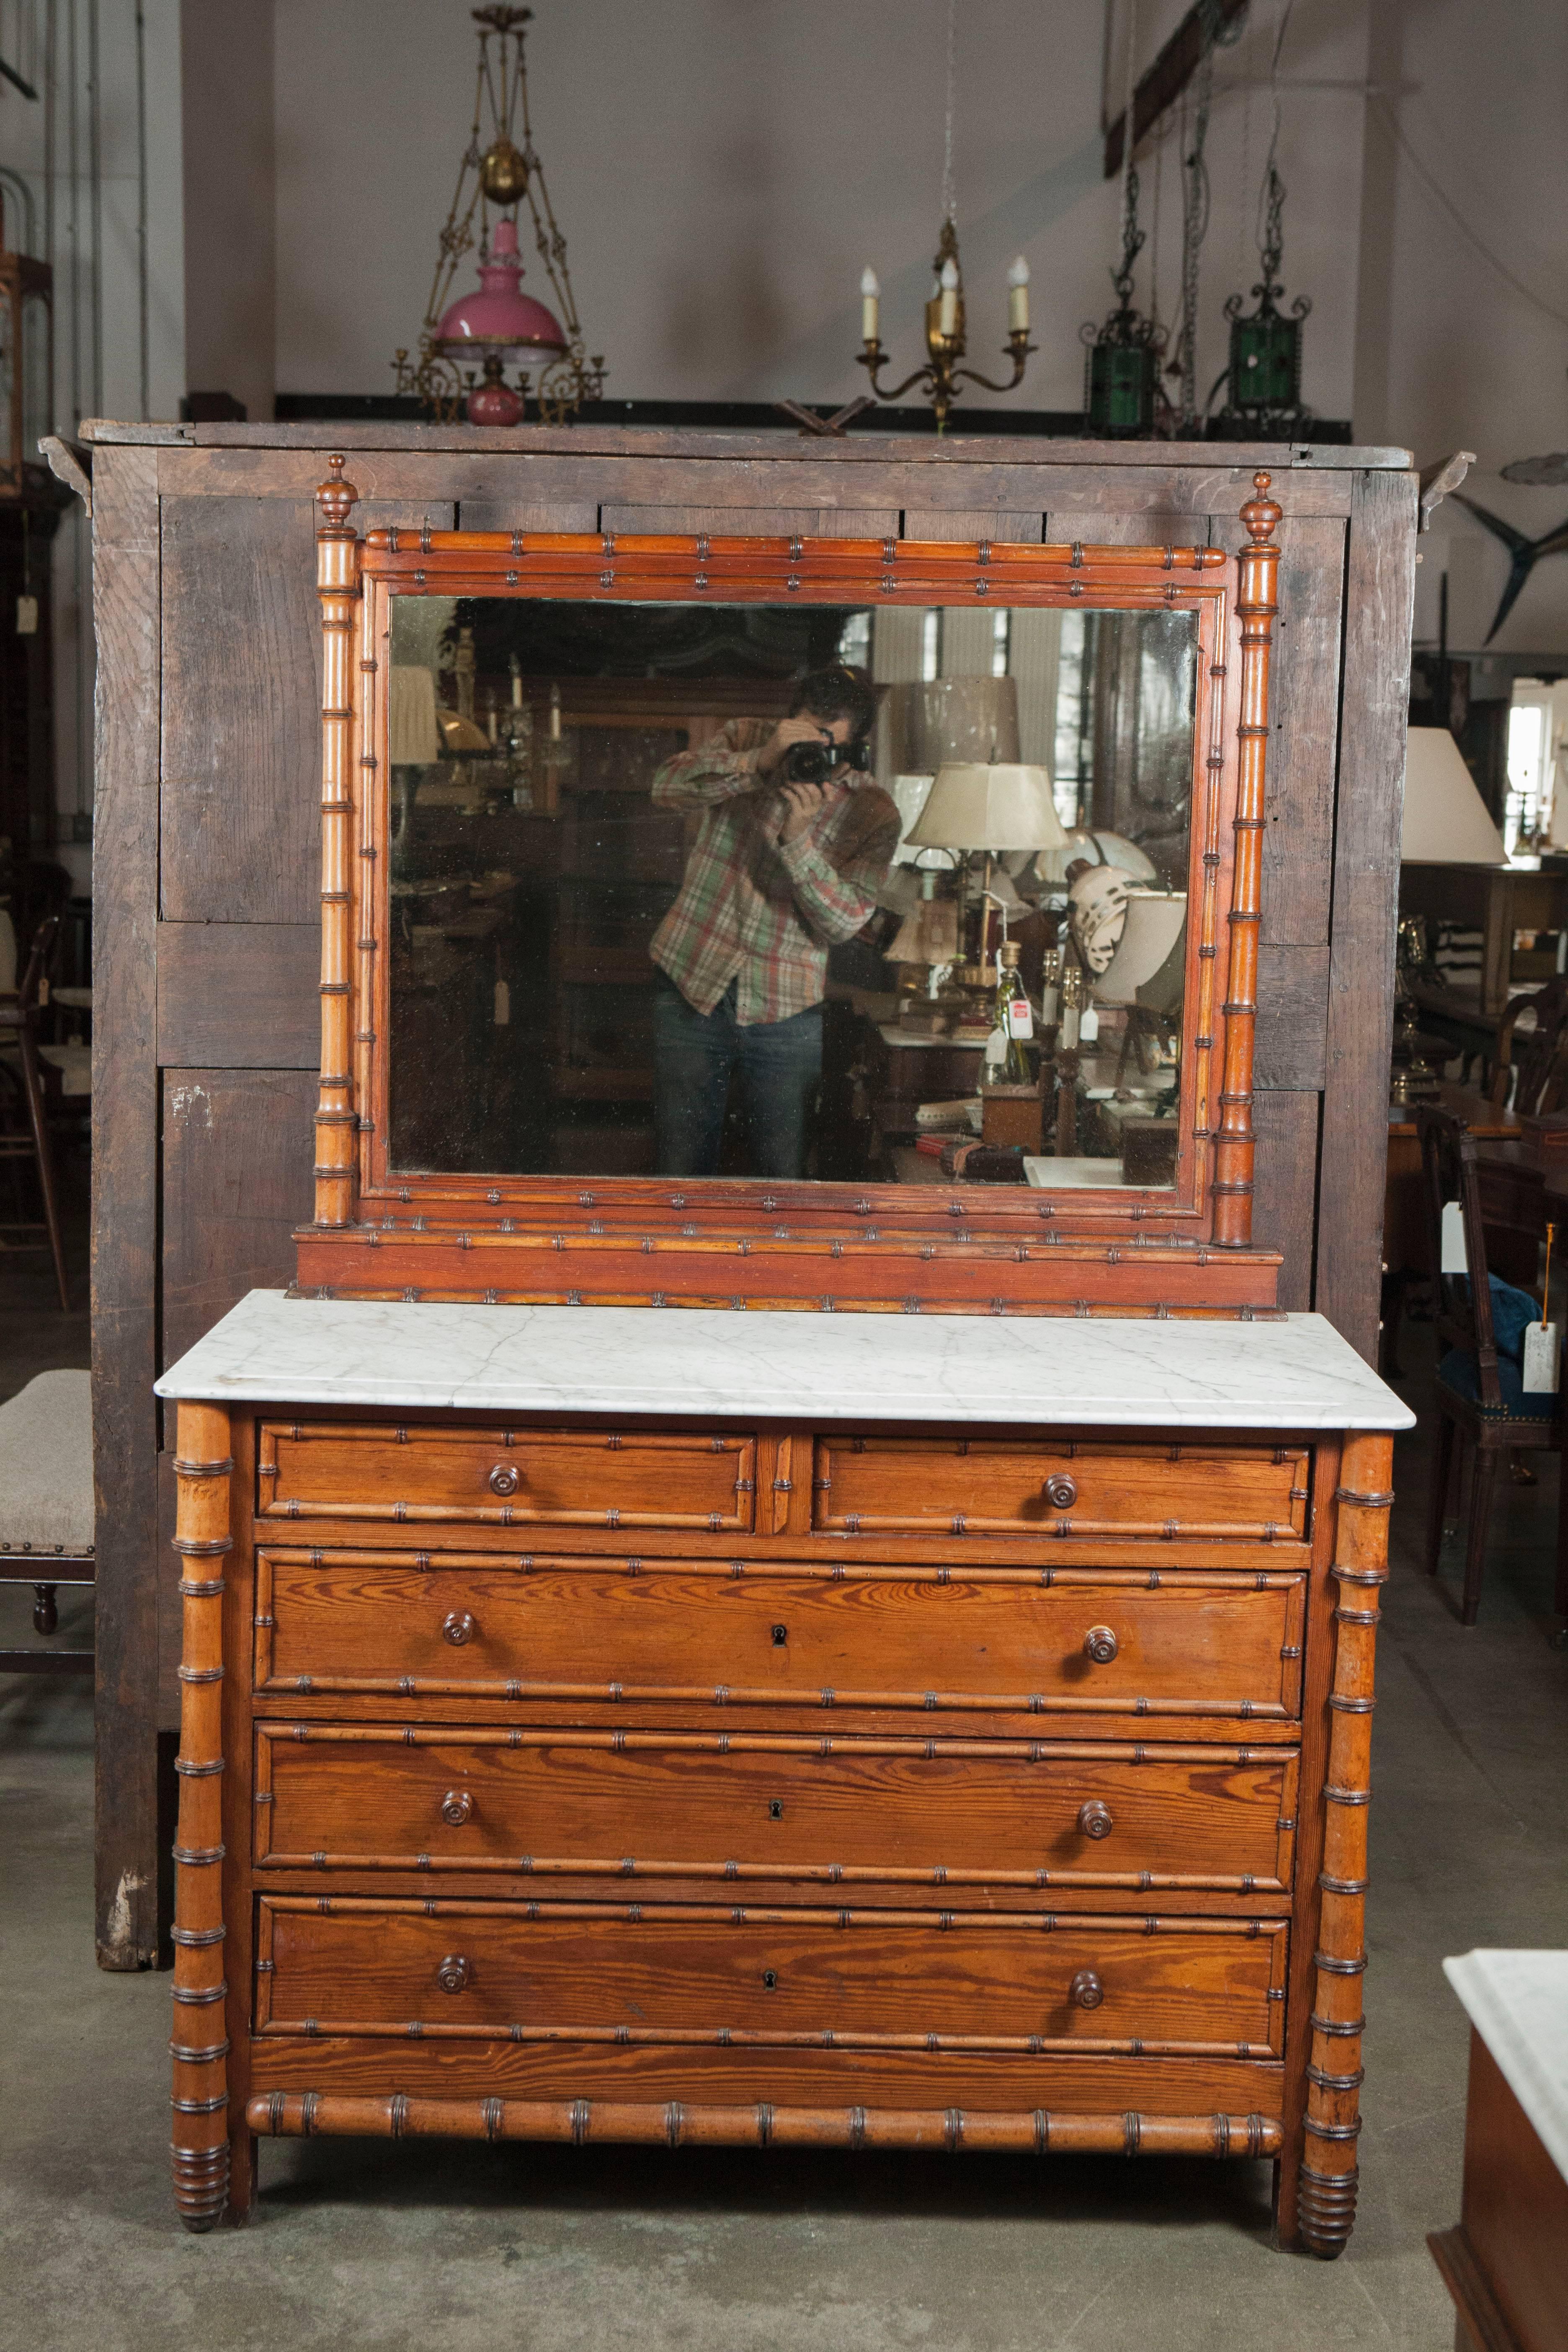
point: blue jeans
(694, 1054)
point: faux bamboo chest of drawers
(600, 1725)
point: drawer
(740, 1634)
(759, 1978)
(1054, 1487)
(506, 1478)
(708, 1805)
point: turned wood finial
(1262, 513)
(336, 496)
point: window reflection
(626, 939)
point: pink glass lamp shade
(500, 316)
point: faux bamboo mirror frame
(387, 1226)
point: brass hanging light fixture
(466, 343)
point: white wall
(1452, 355)
(724, 169)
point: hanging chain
(1272, 195)
(949, 198)
(1131, 238)
(1213, 33)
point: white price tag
(1454, 1260)
(1540, 1358)
(1020, 1017)
(996, 1047)
(1089, 1027)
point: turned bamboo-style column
(1329, 2177)
(1255, 603)
(337, 583)
(200, 2047)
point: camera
(813, 764)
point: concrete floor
(362, 2243)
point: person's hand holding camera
(798, 805)
(776, 750)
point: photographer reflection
(794, 841)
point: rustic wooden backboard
(208, 867)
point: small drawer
(439, 1471)
(653, 1806)
(918, 1485)
(737, 1635)
(752, 1976)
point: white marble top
(1517, 2003)
(1293, 1373)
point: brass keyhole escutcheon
(1094, 1819)
(1086, 1991)
(504, 1478)
(770, 1980)
(776, 1809)
(780, 1635)
(453, 1975)
(457, 1806)
(1099, 1644)
(1061, 1492)
(457, 1628)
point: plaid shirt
(764, 912)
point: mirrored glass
(788, 891)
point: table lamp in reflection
(991, 808)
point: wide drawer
(506, 1478)
(1055, 1487)
(655, 1806)
(739, 1634)
(753, 1977)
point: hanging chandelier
(941, 377)
(466, 344)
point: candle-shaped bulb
(1018, 296)
(516, 683)
(947, 318)
(556, 714)
(870, 295)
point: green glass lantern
(1263, 380)
(1123, 399)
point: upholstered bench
(45, 1506)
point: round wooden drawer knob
(1100, 1643)
(456, 1807)
(1061, 1492)
(1086, 1991)
(1094, 1818)
(457, 1628)
(453, 1975)
(504, 1478)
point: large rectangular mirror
(871, 895)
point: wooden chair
(1492, 1422)
(1543, 1061)
(29, 1139)
(46, 1507)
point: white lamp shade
(414, 739)
(1098, 849)
(1446, 821)
(998, 805)
(1156, 922)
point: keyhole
(780, 1635)
(770, 1980)
(776, 1809)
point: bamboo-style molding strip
(1121, 1576)
(1329, 2175)
(1102, 1925)
(337, 1118)
(199, 2138)
(315, 2114)
(1255, 604)
(764, 1743)
(728, 1695)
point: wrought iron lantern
(1122, 396)
(467, 343)
(27, 368)
(1263, 398)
